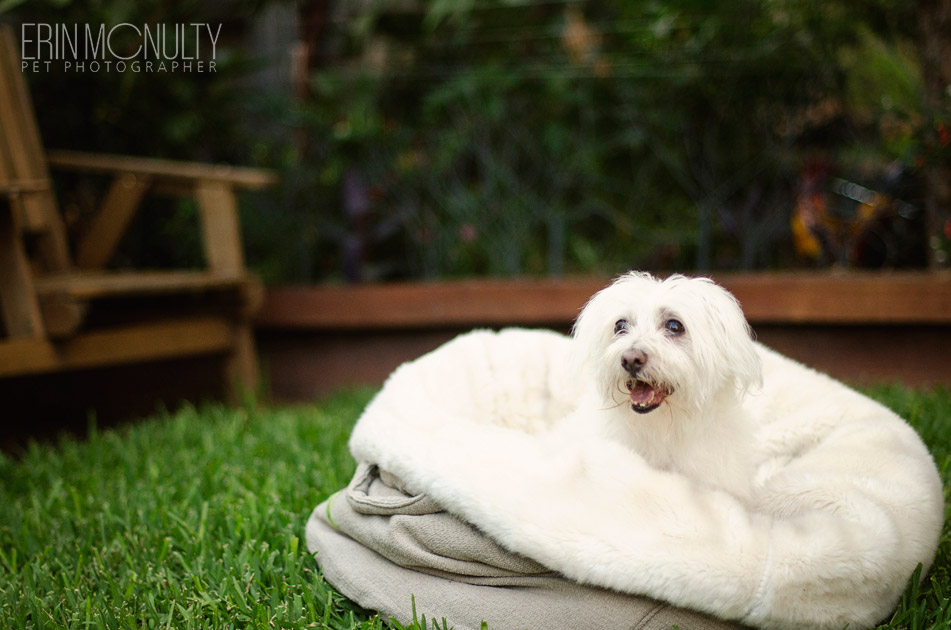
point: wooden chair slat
(129, 344)
(100, 242)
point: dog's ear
(731, 335)
(594, 328)
(588, 335)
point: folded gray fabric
(414, 532)
(384, 548)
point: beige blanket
(389, 551)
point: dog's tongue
(644, 395)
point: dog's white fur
(707, 365)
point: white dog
(666, 364)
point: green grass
(195, 519)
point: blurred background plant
(499, 137)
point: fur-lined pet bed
(846, 502)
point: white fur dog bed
(847, 499)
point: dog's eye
(620, 327)
(674, 327)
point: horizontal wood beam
(131, 344)
(420, 305)
(845, 298)
(18, 186)
(786, 298)
(95, 285)
(168, 169)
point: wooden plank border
(852, 298)
(768, 298)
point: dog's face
(678, 341)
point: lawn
(194, 519)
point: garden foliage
(453, 137)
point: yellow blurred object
(804, 240)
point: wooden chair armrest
(173, 171)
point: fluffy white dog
(846, 501)
(666, 364)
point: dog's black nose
(633, 360)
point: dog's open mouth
(646, 397)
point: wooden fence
(859, 327)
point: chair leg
(221, 233)
(241, 369)
(19, 309)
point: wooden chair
(60, 312)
